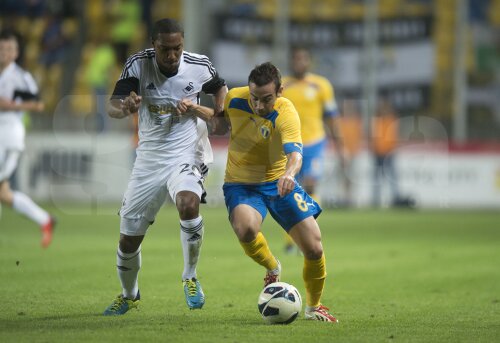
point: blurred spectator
(54, 44)
(98, 76)
(30, 8)
(384, 143)
(351, 130)
(126, 19)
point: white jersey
(162, 133)
(15, 83)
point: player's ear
(279, 92)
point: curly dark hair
(265, 73)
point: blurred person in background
(384, 141)
(313, 97)
(18, 93)
(54, 44)
(126, 17)
(163, 85)
(99, 70)
(351, 130)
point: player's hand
(286, 184)
(39, 106)
(184, 106)
(131, 103)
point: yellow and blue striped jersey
(258, 145)
(313, 97)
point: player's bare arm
(121, 108)
(186, 106)
(219, 99)
(286, 183)
(214, 124)
(219, 123)
(333, 124)
(9, 105)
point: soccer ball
(279, 303)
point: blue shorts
(287, 211)
(312, 161)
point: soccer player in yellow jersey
(313, 97)
(265, 155)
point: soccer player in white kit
(163, 83)
(18, 93)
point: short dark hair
(265, 73)
(166, 25)
(9, 34)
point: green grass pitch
(393, 276)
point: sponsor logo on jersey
(151, 86)
(188, 88)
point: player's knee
(187, 205)
(130, 244)
(244, 231)
(5, 194)
(314, 252)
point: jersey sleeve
(129, 78)
(328, 98)
(227, 100)
(132, 67)
(288, 124)
(28, 90)
(213, 85)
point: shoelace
(270, 278)
(191, 286)
(118, 303)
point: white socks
(24, 205)
(128, 266)
(191, 239)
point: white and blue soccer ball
(279, 303)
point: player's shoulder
(22, 74)
(143, 55)
(194, 57)
(285, 108)
(320, 80)
(194, 60)
(238, 92)
(284, 104)
(17, 70)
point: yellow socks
(259, 251)
(314, 274)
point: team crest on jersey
(265, 131)
(188, 88)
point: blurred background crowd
(79, 47)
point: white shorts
(147, 190)
(8, 162)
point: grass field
(393, 276)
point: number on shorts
(301, 203)
(185, 168)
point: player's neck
(300, 76)
(4, 66)
(170, 73)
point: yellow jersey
(258, 145)
(313, 97)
